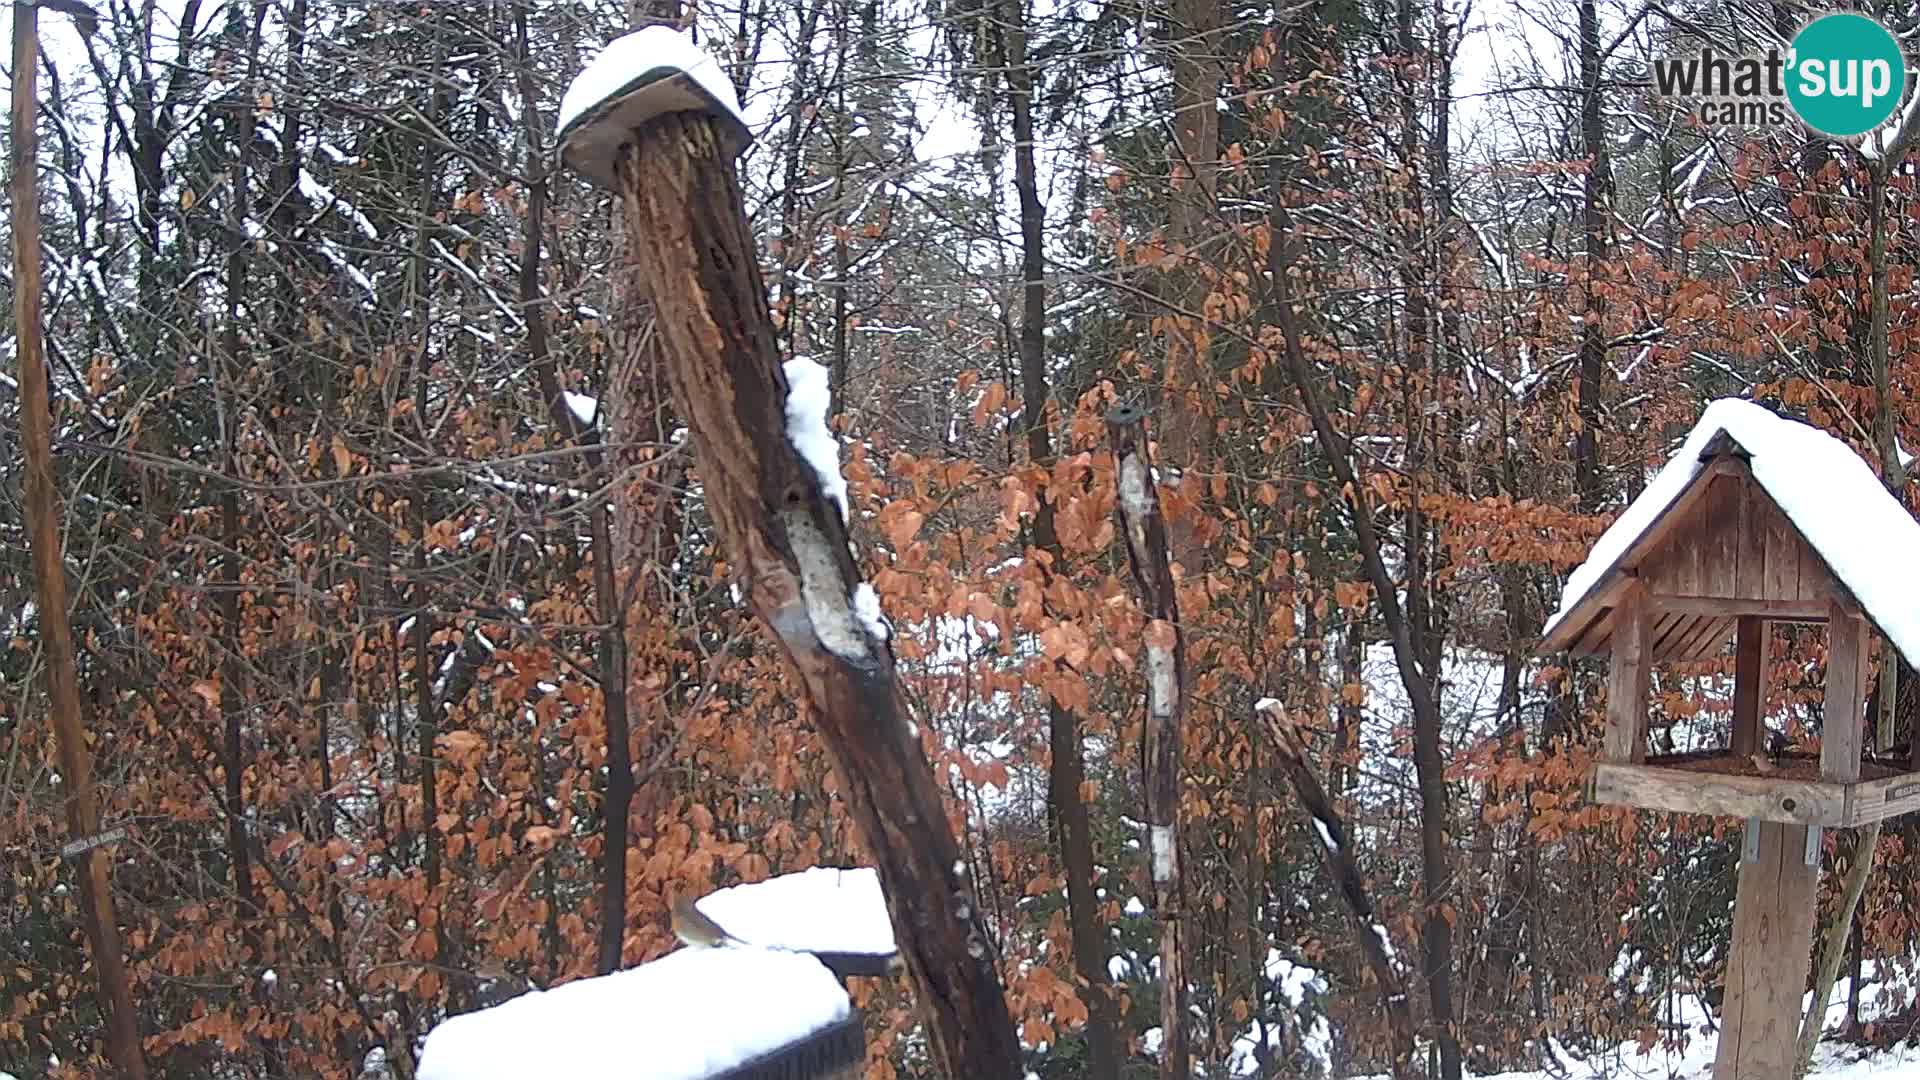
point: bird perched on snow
(693, 928)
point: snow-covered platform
(771, 1006)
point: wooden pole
(1145, 531)
(786, 541)
(1767, 965)
(1749, 687)
(43, 528)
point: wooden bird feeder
(1758, 520)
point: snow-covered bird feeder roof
(695, 1014)
(1770, 514)
(838, 915)
(637, 77)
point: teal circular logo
(1845, 75)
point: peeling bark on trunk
(1149, 556)
(688, 238)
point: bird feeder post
(652, 118)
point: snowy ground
(1694, 1060)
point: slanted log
(786, 540)
(1336, 856)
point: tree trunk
(1150, 557)
(1067, 772)
(42, 507)
(610, 611)
(1596, 194)
(1437, 875)
(1893, 473)
(1185, 430)
(681, 203)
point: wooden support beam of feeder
(1842, 721)
(786, 541)
(1629, 675)
(1767, 964)
(1749, 686)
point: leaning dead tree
(1145, 530)
(771, 483)
(1336, 855)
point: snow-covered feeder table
(1757, 519)
(695, 1014)
(837, 915)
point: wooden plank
(1815, 580)
(1593, 637)
(1712, 641)
(1788, 610)
(1842, 720)
(1691, 791)
(1662, 527)
(1702, 642)
(1767, 962)
(1878, 800)
(1750, 574)
(1628, 675)
(1720, 550)
(1669, 638)
(1591, 616)
(1749, 685)
(1782, 581)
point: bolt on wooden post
(1758, 519)
(652, 118)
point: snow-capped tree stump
(1145, 530)
(780, 521)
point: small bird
(1763, 763)
(693, 928)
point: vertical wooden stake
(1842, 721)
(1749, 686)
(49, 569)
(1627, 679)
(1767, 966)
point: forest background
(414, 677)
